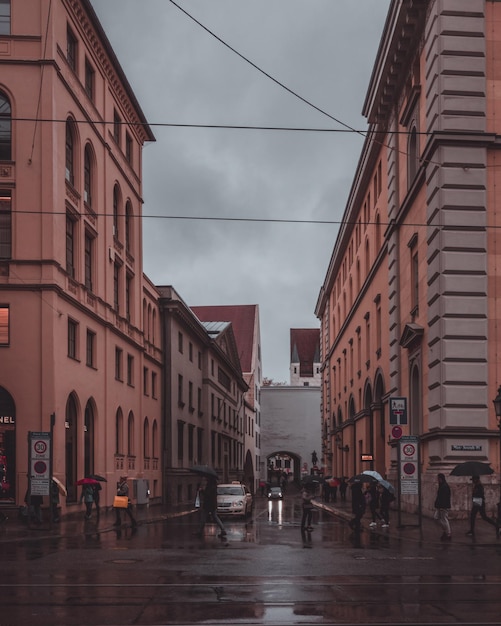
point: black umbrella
(472, 468)
(363, 478)
(310, 480)
(205, 470)
(101, 479)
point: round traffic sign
(396, 432)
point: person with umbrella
(87, 496)
(478, 506)
(443, 504)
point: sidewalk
(430, 530)
(15, 529)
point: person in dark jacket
(208, 505)
(373, 499)
(478, 506)
(443, 504)
(357, 505)
(123, 490)
(385, 499)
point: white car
(234, 499)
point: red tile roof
(305, 349)
(242, 318)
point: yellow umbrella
(60, 486)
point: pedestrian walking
(357, 506)
(478, 506)
(87, 497)
(307, 506)
(54, 501)
(207, 492)
(34, 507)
(97, 496)
(343, 486)
(123, 490)
(442, 506)
(385, 499)
(373, 499)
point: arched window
(149, 322)
(116, 209)
(378, 233)
(153, 325)
(412, 156)
(119, 431)
(130, 434)
(146, 438)
(128, 226)
(88, 175)
(154, 440)
(70, 153)
(89, 439)
(71, 431)
(5, 126)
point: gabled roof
(305, 349)
(243, 319)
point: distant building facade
(204, 396)
(408, 307)
(305, 362)
(290, 430)
(79, 323)
(244, 319)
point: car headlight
(238, 503)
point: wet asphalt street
(264, 572)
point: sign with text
(39, 459)
(409, 465)
(398, 410)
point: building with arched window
(420, 235)
(75, 339)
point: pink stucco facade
(409, 304)
(79, 323)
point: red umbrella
(87, 481)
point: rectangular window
(117, 123)
(89, 245)
(91, 346)
(199, 360)
(146, 381)
(90, 77)
(128, 148)
(199, 401)
(153, 384)
(118, 364)
(180, 390)
(414, 283)
(190, 396)
(71, 49)
(190, 352)
(72, 339)
(116, 287)
(130, 370)
(128, 289)
(4, 325)
(5, 224)
(4, 17)
(191, 433)
(180, 342)
(180, 441)
(70, 246)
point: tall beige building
(409, 305)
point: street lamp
(497, 408)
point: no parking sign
(40, 455)
(409, 465)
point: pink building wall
(42, 296)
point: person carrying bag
(122, 502)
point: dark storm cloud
(322, 49)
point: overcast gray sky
(323, 50)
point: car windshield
(275, 489)
(229, 491)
